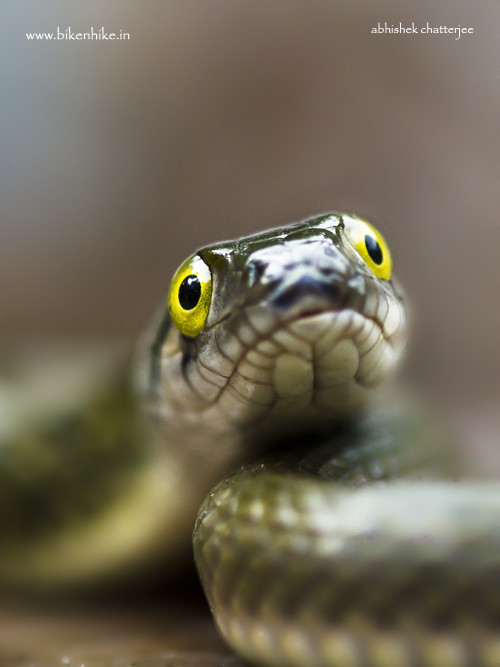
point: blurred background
(217, 119)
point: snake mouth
(382, 310)
(311, 313)
(308, 293)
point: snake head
(281, 329)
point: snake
(258, 418)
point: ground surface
(177, 636)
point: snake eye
(190, 295)
(189, 292)
(370, 245)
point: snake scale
(338, 536)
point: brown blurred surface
(111, 638)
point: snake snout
(310, 293)
(302, 277)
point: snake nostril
(330, 250)
(254, 272)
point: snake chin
(318, 366)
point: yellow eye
(370, 245)
(190, 295)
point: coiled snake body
(340, 546)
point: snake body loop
(344, 539)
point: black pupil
(189, 292)
(373, 249)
